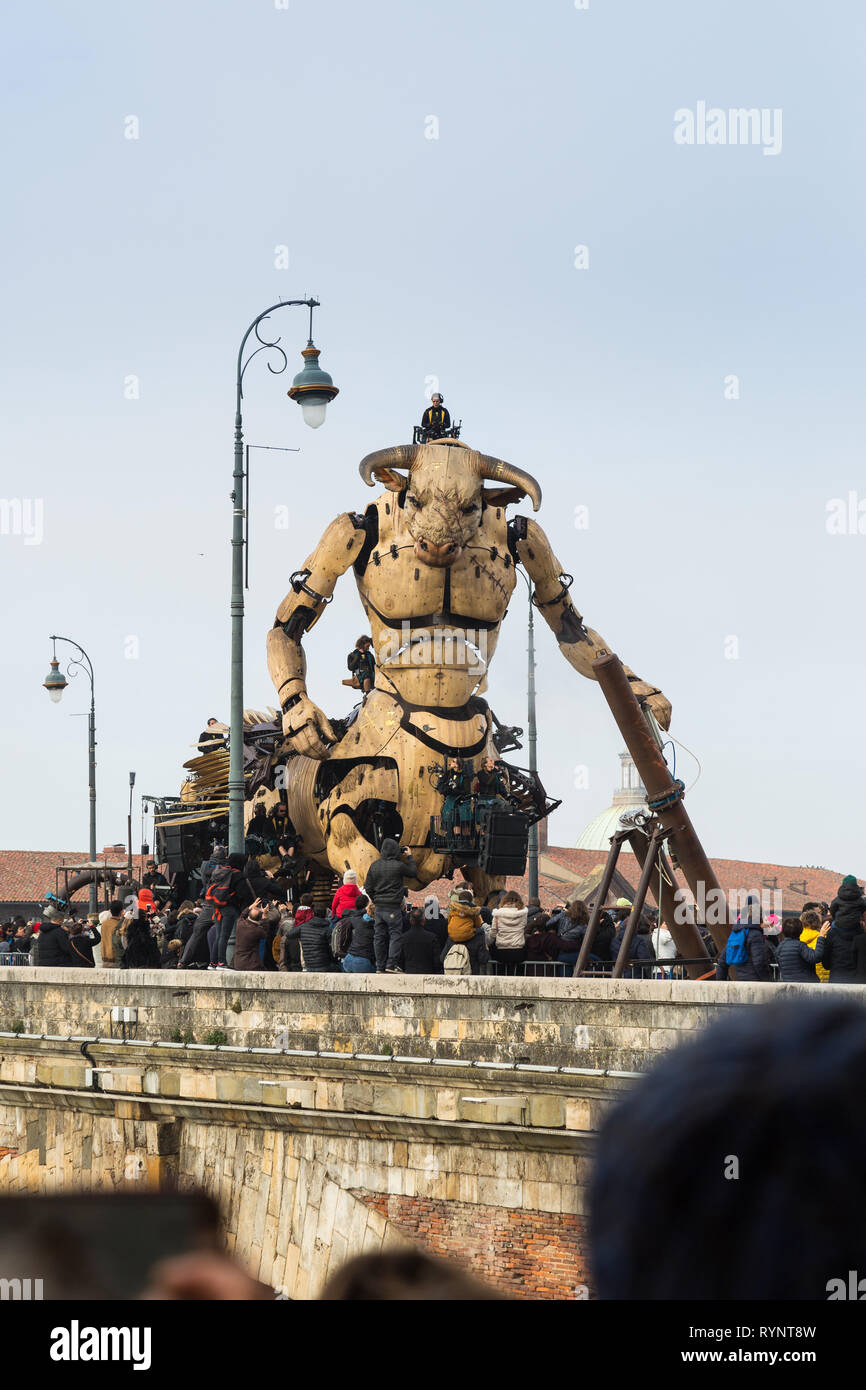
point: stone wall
(461, 1117)
(605, 1024)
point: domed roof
(630, 795)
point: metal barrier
(600, 970)
(14, 958)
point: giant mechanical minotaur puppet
(434, 559)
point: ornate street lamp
(313, 389)
(55, 683)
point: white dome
(597, 834)
(629, 796)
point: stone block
(415, 1102)
(579, 1114)
(68, 1075)
(494, 1110)
(272, 1093)
(446, 1104)
(238, 1089)
(500, 1192)
(358, 1096)
(301, 1095)
(547, 1111)
(549, 1196)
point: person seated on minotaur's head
(436, 419)
(362, 663)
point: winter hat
(350, 876)
(849, 881)
(219, 854)
(237, 861)
(145, 898)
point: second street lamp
(55, 683)
(532, 856)
(313, 389)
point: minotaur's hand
(307, 729)
(660, 706)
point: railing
(15, 958)
(600, 970)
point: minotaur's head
(442, 492)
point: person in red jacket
(346, 895)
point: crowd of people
(826, 942)
(245, 919)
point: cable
(691, 755)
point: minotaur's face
(442, 506)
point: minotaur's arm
(304, 724)
(579, 645)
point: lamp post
(55, 683)
(312, 388)
(532, 857)
(129, 826)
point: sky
(490, 197)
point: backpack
(221, 888)
(341, 935)
(457, 961)
(736, 951)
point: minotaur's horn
(500, 472)
(377, 467)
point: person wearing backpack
(456, 960)
(230, 893)
(746, 948)
(362, 663)
(360, 957)
(342, 927)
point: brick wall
(524, 1254)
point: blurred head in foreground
(403, 1275)
(737, 1168)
